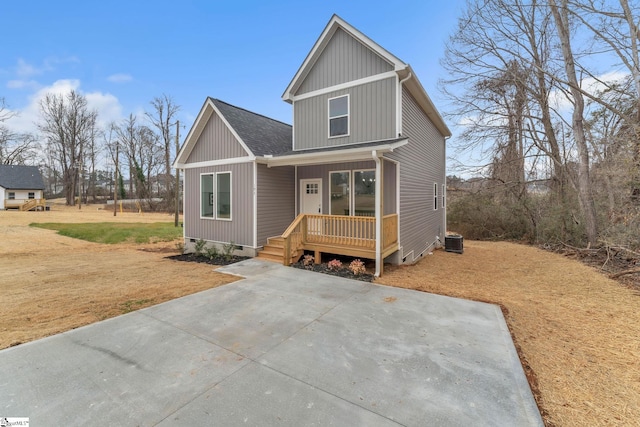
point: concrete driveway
(283, 347)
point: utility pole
(115, 183)
(177, 212)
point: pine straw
(577, 331)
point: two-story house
(360, 173)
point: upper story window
(339, 116)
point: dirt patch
(577, 331)
(51, 283)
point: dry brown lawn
(578, 333)
(51, 283)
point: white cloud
(106, 104)
(120, 78)
(25, 70)
(22, 84)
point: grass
(112, 233)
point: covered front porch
(346, 204)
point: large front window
(339, 116)
(215, 191)
(364, 201)
(340, 194)
(353, 193)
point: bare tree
(561, 18)
(15, 148)
(67, 124)
(142, 149)
(162, 119)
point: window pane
(435, 196)
(224, 195)
(206, 196)
(339, 106)
(340, 193)
(339, 126)
(365, 193)
(32, 195)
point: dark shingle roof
(15, 177)
(261, 134)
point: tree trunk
(585, 195)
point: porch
(25, 204)
(334, 234)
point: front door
(311, 196)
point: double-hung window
(215, 195)
(435, 196)
(12, 195)
(339, 116)
(32, 195)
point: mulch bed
(342, 272)
(219, 260)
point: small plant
(307, 261)
(212, 252)
(227, 250)
(334, 264)
(180, 247)
(199, 246)
(357, 267)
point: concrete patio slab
(281, 347)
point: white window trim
(350, 189)
(348, 116)
(215, 199)
(444, 192)
(435, 196)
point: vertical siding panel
(422, 163)
(389, 188)
(240, 229)
(216, 142)
(276, 201)
(344, 59)
(372, 117)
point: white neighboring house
(21, 187)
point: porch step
(273, 250)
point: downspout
(399, 104)
(379, 260)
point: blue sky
(121, 54)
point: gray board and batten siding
(276, 201)
(216, 142)
(344, 59)
(422, 164)
(372, 116)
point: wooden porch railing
(358, 232)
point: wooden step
(270, 257)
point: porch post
(378, 200)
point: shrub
(212, 252)
(199, 246)
(180, 247)
(334, 264)
(227, 250)
(357, 267)
(307, 261)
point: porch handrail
(355, 231)
(293, 237)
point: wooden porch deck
(335, 234)
(25, 204)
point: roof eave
(333, 156)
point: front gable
(343, 59)
(216, 142)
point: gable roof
(259, 135)
(17, 177)
(403, 70)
